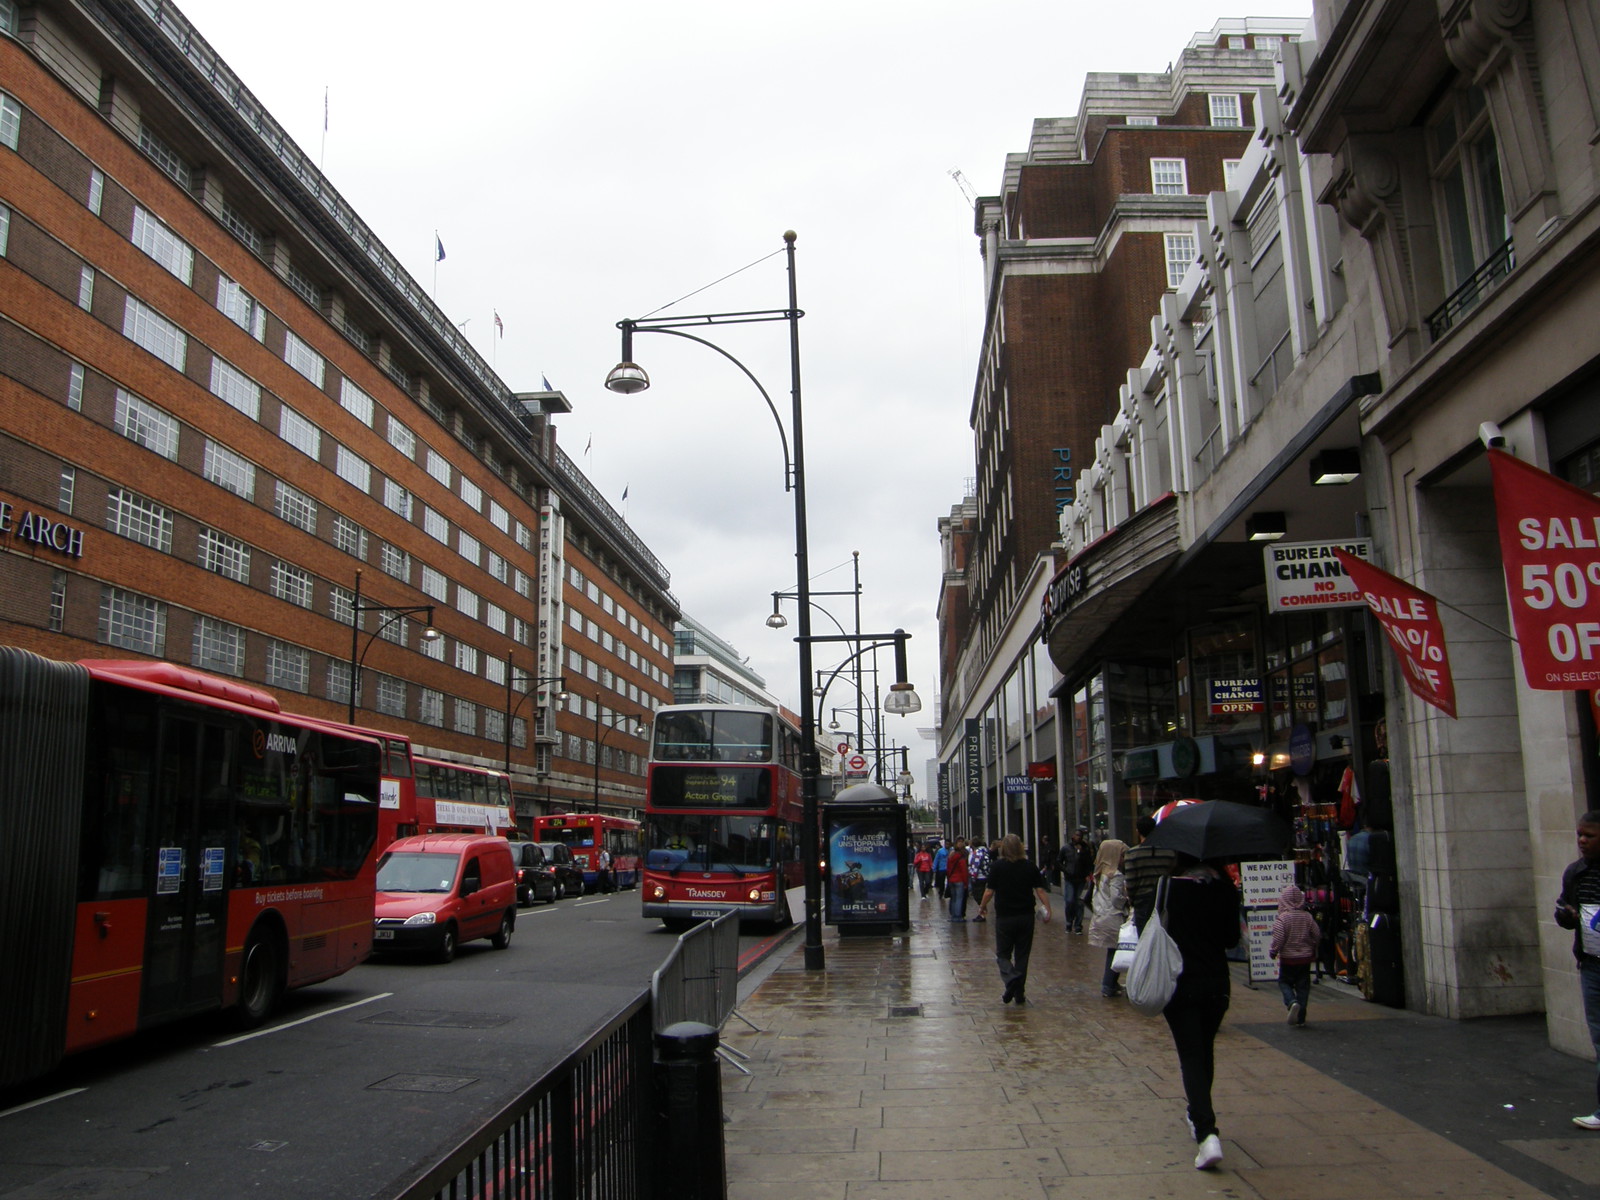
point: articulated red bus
(170, 842)
(585, 833)
(458, 798)
(723, 814)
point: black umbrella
(1222, 829)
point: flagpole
(434, 294)
(323, 152)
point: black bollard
(689, 1109)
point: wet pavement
(897, 1074)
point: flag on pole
(438, 247)
(545, 379)
(499, 326)
(324, 109)
(625, 491)
(590, 446)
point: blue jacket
(941, 858)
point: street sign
(855, 766)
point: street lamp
(637, 730)
(358, 652)
(627, 377)
(528, 688)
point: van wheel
(260, 980)
(447, 944)
(502, 936)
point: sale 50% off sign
(1410, 617)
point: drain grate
(420, 1083)
(437, 1020)
(905, 1010)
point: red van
(437, 890)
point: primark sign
(40, 531)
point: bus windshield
(713, 735)
(710, 843)
(415, 872)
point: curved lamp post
(636, 728)
(628, 378)
(358, 652)
(529, 687)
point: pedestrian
(1075, 872)
(602, 871)
(1578, 909)
(923, 862)
(1295, 937)
(1110, 909)
(978, 868)
(958, 877)
(1202, 917)
(941, 859)
(1144, 864)
(1015, 887)
(1050, 862)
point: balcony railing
(1477, 285)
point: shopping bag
(1127, 943)
(1157, 963)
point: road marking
(42, 1100)
(598, 900)
(245, 1037)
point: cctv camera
(1489, 434)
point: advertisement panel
(866, 884)
(1410, 617)
(1308, 575)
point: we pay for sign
(1410, 617)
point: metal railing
(583, 1131)
(1477, 285)
(700, 982)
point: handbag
(1157, 963)
(1127, 943)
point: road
(356, 1082)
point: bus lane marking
(41, 1100)
(597, 900)
(245, 1037)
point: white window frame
(303, 357)
(300, 432)
(147, 328)
(224, 555)
(132, 621)
(230, 470)
(136, 419)
(1169, 177)
(438, 466)
(396, 499)
(401, 437)
(10, 121)
(1227, 110)
(291, 583)
(294, 506)
(240, 307)
(218, 647)
(232, 386)
(1180, 251)
(155, 238)
(352, 468)
(288, 666)
(139, 519)
(436, 525)
(355, 401)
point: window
(390, 698)
(141, 520)
(1180, 253)
(86, 288)
(133, 622)
(435, 584)
(499, 568)
(291, 584)
(288, 666)
(469, 548)
(394, 629)
(1226, 110)
(438, 466)
(295, 507)
(435, 525)
(524, 536)
(299, 433)
(97, 190)
(164, 156)
(592, 590)
(229, 470)
(1230, 173)
(433, 648)
(352, 468)
(394, 562)
(5, 229)
(305, 287)
(67, 487)
(1465, 162)
(58, 601)
(233, 386)
(467, 602)
(148, 328)
(402, 439)
(495, 618)
(342, 605)
(494, 725)
(299, 355)
(1140, 120)
(499, 517)
(396, 499)
(1169, 177)
(432, 707)
(466, 717)
(240, 307)
(466, 658)
(218, 647)
(355, 402)
(338, 683)
(10, 120)
(349, 536)
(575, 619)
(472, 494)
(241, 227)
(140, 421)
(161, 244)
(224, 555)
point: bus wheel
(447, 944)
(502, 937)
(260, 980)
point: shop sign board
(1018, 783)
(1236, 696)
(1308, 575)
(1262, 882)
(1410, 617)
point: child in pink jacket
(1295, 936)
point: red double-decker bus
(723, 814)
(170, 842)
(585, 833)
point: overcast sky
(588, 162)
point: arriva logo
(704, 894)
(281, 743)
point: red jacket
(956, 869)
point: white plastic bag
(1157, 963)
(1127, 943)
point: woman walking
(1015, 885)
(1110, 909)
(1202, 916)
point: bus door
(188, 906)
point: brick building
(1093, 224)
(235, 434)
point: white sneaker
(1592, 1121)
(1210, 1153)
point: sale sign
(1410, 617)
(1550, 545)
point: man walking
(959, 876)
(1144, 865)
(941, 859)
(1578, 909)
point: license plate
(383, 935)
(705, 914)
